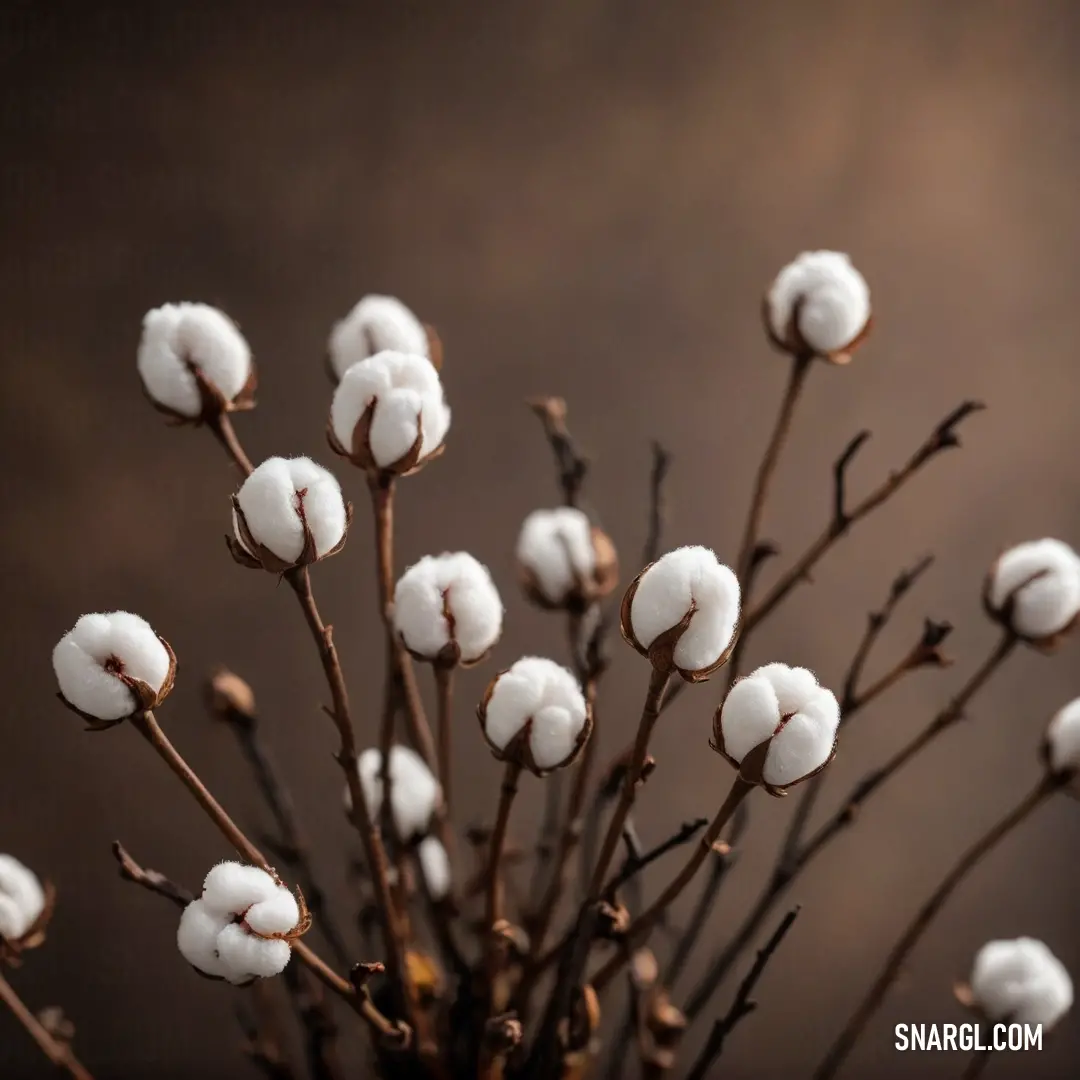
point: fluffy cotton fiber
(785, 707)
(415, 794)
(545, 696)
(445, 601)
(835, 299)
(1041, 581)
(376, 323)
(1063, 739)
(1021, 981)
(556, 549)
(688, 578)
(22, 899)
(90, 658)
(435, 866)
(236, 929)
(175, 335)
(407, 395)
(284, 494)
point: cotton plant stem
(494, 908)
(798, 859)
(639, 929)
(222, 429)
(913, 933)
(57, 1051)
(444, 693)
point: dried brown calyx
(360, 454)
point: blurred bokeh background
(587, 197)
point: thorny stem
(1047, 786)
(743, 1004)
(790, 868)
(300, 581)
(639, 929)
(56, 1050)
(221, 428)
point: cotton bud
(376, 323)
(388, 414)
(447, 609)
(415, 794)
(194, 362)
(682, 612)
(113, 666)
(1061, 747)
(24, 904)
(1019, 982)
(534, 715)
(819, 305)
(289, 512)
(435, 866)
(1033, 590)
(566, 562)
(241, 927)
(777, 726)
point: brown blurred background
(587, 198)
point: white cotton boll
(281, 497)
(197, 937)
(1021, 981)
(1035, 587)
(1063, 739)
(409, 416)
(534, 713)
(176, 335)
(376, 323)
(686, 581)
(231, 888)
(92, 660)
(415, 794)
(435, 866)
(833, 299)
(22, 898)
(785, 708)
(278, 915)
(450, 584)
(245, 956)
(555, 547)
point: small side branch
(55, 1049)
(572, 465)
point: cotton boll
(777, 726)
(289, 512)
(819, 305)
(177, 338)
(415, 794)
(534, 714)
(447, 609)
(1062, 747)
(389, 414)
(1034, 590)
(565, 561)
(22, 899)
(111, 666)
(376, 323)
(245, 957)
(435, 866)
(197, 935)
(1022, 982)
(277, 915)
(682, 612)
(231, 888)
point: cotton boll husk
(415, 794)
(454, 583)
(22, 898)
(1042, 606)
(80, 656)
(1062, 739)
(198, 334)
(556, 548)
(804, 744)
(278, 915)
(271, 503)
(376, 323)
(231, 888)
(197, 937)
(663, 595)
(435, 866)
(244, 955)
(1021, 981)
(835, 302)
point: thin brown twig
(572, 465)
(743, 1005)
(494, 909)
(56, 1050)
(796, 863)
(914, 931)
(221, 428)
(444, 692)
